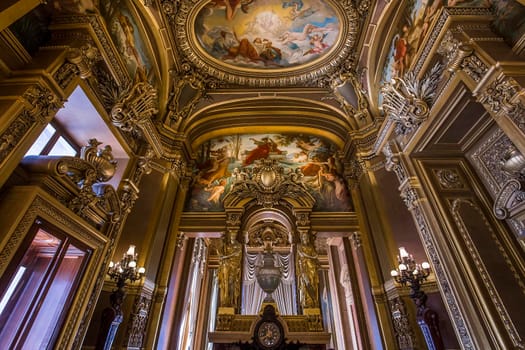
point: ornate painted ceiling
(205, 71)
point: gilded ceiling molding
(181, 16)
(408, 100)
(443, 21)
(413, 200)
(359, 115)
(188, 77)
(64, 23)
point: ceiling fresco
(314, 157)
(267, 34)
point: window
(38, 286)
(53, 141)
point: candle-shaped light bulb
(403, 252)
(132, 264)
(142, 270)
(402, 267)
(131, 250)
(111, 264)
(425, 265)
(415, 272)
(394, 273)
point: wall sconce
(126, 269)
(409, 272)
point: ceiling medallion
(266, 42)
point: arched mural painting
(315, 157)
(267, 34)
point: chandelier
(409, 272)
(126, 269)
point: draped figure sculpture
(307, 273)
(230, 271)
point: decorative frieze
(14, 133)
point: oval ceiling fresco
(267, 34)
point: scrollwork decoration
(407, 100)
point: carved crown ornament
(408, 100)
(269, 184)
(182, 16)
(78, 182)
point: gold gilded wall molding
(506, 320)
(447, 16)
(182, 13)
(40, 105)
(64, 23)
(410, 192)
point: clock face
(269, 334)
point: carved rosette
(407, 100)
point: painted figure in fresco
(218, 168)
(297, 10)
(401, 53)
(216, 191)
(317, 44)
(230, 271)
(265, 146)
(231, 6)
(430, 14)
(246, 50)
(308, 275)
(289, 37)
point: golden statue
(230, 271)
(307, 273)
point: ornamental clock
(269, 333)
